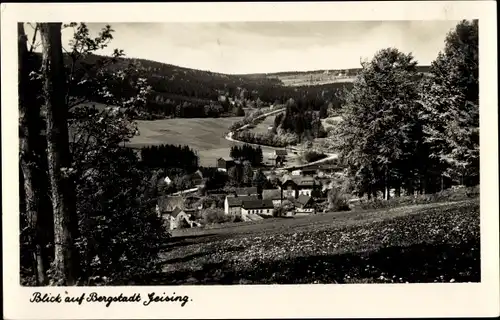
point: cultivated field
(204, 135)
(420, 243)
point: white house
(232, 204)
(259, 207)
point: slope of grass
(424, 243)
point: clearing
(436, 242)
(204, 135)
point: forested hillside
(189, 93)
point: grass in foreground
(425, 243)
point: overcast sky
(255, 47)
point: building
(224, 164)
(251, 191)
(197, 178)
(274, 195)
(304, 205)
(232, 204)
(294, 186)
(278, 156)
(179, 218)
(259, 207)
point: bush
(214, 215)
(311, 156)
(337, 200)
(452, 194)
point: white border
(412, 300)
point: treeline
(409, 133)
(267, 139)
(301, 120)
(169, 156)
(247, 153)
(188, 93)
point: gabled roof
(238, 201)
(258, 204)
(299, 181)
(175, 212)
(303, 199)
(246, 191)
(271, 194)
(227, 159)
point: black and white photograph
(208, 153)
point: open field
(421, 243)
(204, 135)
(264, 125)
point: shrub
(453, 194)
(311, 156)
(214, 215)
(337, 200)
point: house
(304, 205)
(294, 186)
(259, 207)
(274, 195)
(251, 191)
(197, 178)
(224, 164)
(179, 218)
(232, 204)
(280, 155)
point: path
(229, 137)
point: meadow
(425, 243)
(204, 135)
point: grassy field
(422, 243)
(204, 135)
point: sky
(260, 47)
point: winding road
(229, 137)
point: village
(298, 191)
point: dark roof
(238, 201)
(303, 199)
(281, 152)
(175, 212)
(271, 194)
(246, 191)
(168, 203)
(227, 159)
(299, 181)
(258, 204)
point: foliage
(247, 153)
(448, 195)
(311, 156)
(337, 200)
(379, 135)
(168, 156)
(247, 173)
(212, 216)
(267, 139)
(119, 233)
(450, 101)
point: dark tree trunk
(29, 157)
(58, 155)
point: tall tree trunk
(29, 158)
(386, 185)
(58, 155)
